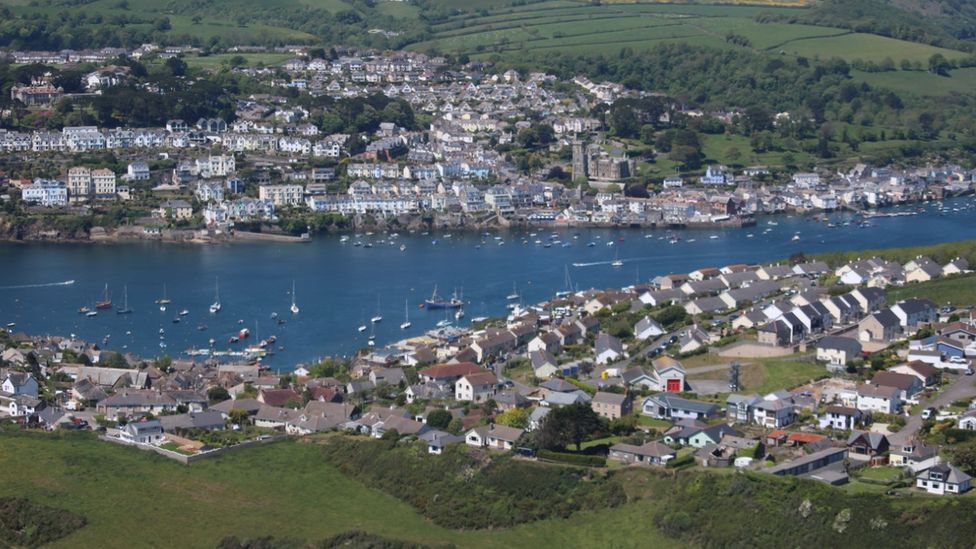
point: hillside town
(799, 369)
(274, 156)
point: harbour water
(340, 286)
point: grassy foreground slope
(134, 499)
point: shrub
(575, 459)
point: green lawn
(881, 474)
(133, 498)
(762, 375)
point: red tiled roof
(450, 370)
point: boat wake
(46, 285)
(592, 264)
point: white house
(943, 479)
(878, 398)
(477, 387)
(647, 328)
(143, 432)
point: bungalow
(711, 435)
(476, 387)
(663, 297)
(943, 479)
(809, 463)
(706, 305)
(608, 348)
(665, 406)
(647, 328)
(203, 421)
(637, 377)
(142, 432)
(652, 453)
(926, 373)
(438, 440)
(610, 405)
(129, 403)
(967, 421)
(492, 436)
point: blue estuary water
(340, 286)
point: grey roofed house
(708, 305)
(566, 399)
(736, 280)
(558, 385)
(612, 399)
(402, 425)
(649, 452)
(637, 376)
(703, 287)
(511, 399)
(812, 268)
(887, 318)
(541, 359)
(205, 421)
(537, 415)
(108, 377)
(775, 272)
(850, 346)
(440, 439)
(915, 305)
(428, 391)
(605, 342)
(808, 463)
(647, 324)
(390, 376)
(249, 405)
(875, 441)
(88, 391)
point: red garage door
(674, 385)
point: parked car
(928, 413)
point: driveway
(962, 388)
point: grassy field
(922, 82)
(760, 375)
(868, 47)
(253, 59)
(958, 291)
(580, 27)
(940, 253)
(136, 499)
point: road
(962, 388)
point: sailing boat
(294, 307)
(106, 302)
(616, 261)
(378, 317)
(514, 295)
(372, 336)
(569, 285)
(215, 307)
(406, 316)
(125, 302)
(163, 300)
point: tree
(964, 456)
(238, 416)
(939, 65)
(218, 394)
(176, 66)
(568, 425)
(439, 419)
(455, 427)
(516, 417)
